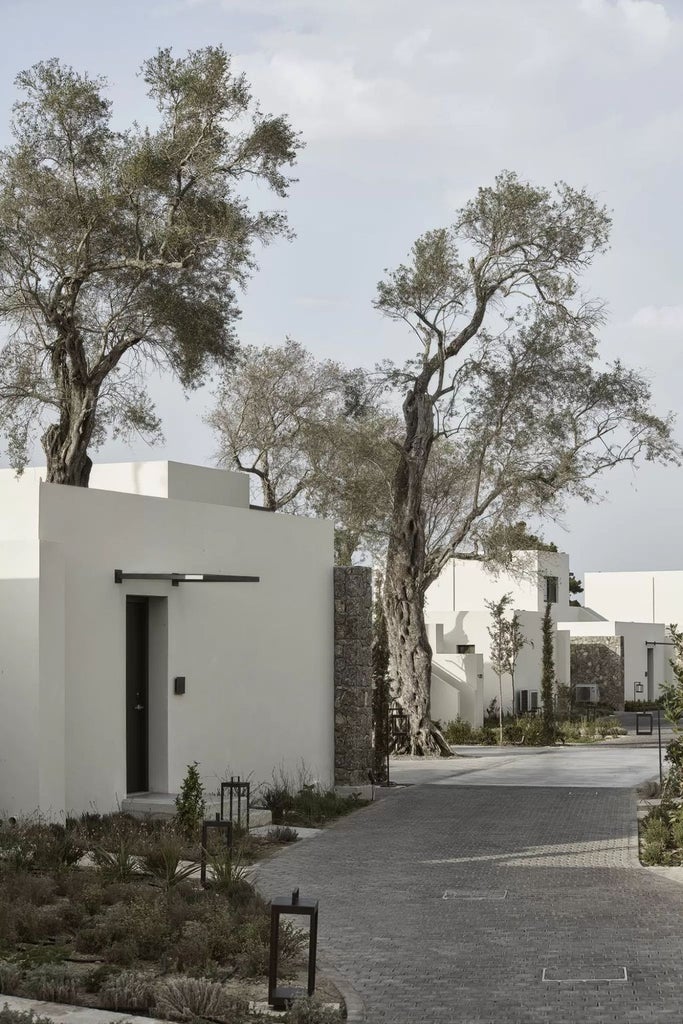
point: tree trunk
(66, 443)
(410, 652)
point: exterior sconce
(241, 791)
(222, 826)
(278, 997)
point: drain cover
(475, 894)
(612, 974)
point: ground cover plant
(132, 932)
(302, 801)
(529, 730)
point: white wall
(173, 480)
(258, 658)
(19, 676)
(466, 585)
(471, 627)
(457, 688)
(637, 596)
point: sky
(406, 108)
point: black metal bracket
(176, 578)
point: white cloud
(663, 318)
(407, 49)
(645, 23)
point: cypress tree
(548, 676)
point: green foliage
(283, 834)
(642, 705)
(124, 249)
(163, 860)
(458, 731)
(311, 1011)
(117, 865)
(192, 999)
(190, 803)
(302, 802)
(498, 651)
(128, 991)
(39, 846)
(53, 983)
(656, 839)
(548, 675)
(227, 871)
(8, 1016)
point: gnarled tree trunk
(66, 443)
(410, 652)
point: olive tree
(122, 251)
(507, 371)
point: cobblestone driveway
(539, 879)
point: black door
(137, 658)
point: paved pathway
(542, 883)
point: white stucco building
(109, 688)
(604, 656)
(639, 596)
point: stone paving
(549, 918)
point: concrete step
(162, 806)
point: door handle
(139, 707)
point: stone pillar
(352, 675)
(599, 659)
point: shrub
(282, 834)
(193, 949)
(51, 982)
(8, 1016)
(10, 977)
(458, 731)
(129, 991)
(655, 839)
(190, 803)
(188, 999)
(117, 865)
(310, 1011)
(279, 797)
(163, 861)
(228, 873)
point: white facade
(637, 596)
(458, 622)
(256, 657)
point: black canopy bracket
(176, 578)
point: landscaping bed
(134, 931)
(529, 731)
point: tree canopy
(122, 251)
(507, 371)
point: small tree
(499, 650)
(548, 675)
(190, 803)
(380, 684)
(513, 642)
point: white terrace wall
(257, 657)
(637, 596)
(636, 636)
(457, 616)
